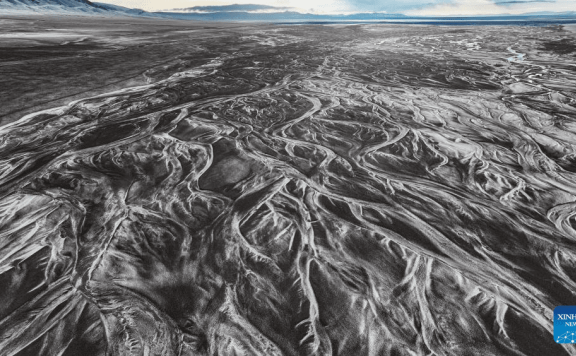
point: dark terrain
(285, 190)
(48, 61)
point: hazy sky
(412, 7)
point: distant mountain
(65, 7)
(233, 8)
(266, 14)
(263, 13)
(122, 9)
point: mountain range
(85, 7)
(233, 8)
(247, 12)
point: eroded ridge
(352, 191)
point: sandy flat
(570, 27)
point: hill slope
(64, 7)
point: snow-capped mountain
(65, 7)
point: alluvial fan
(361, 190)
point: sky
(408, 7)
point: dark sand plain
(241, 189)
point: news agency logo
(565, 324)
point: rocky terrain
(300, 190)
